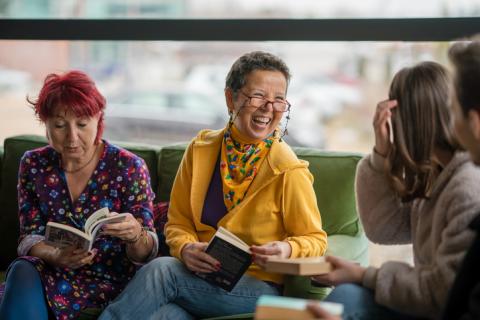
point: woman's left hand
(279, 249)
(344, 271)
(127, 230)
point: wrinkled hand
(320, 313)
(381, 126)
(280, 249)
(128, 229)
(197, 260)
(344, 271)
(71, 257)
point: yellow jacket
(279, 205)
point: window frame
(402, 29)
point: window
(167, 86)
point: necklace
(83, 166)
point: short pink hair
(76, 92)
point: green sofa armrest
(353, 248)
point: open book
(298, 266)
(279, 307)
(61, 235)
(234, 256)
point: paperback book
(280, 307)
(298, 266)
(61, 235)
(234, 256)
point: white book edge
(228, 236)
(303, 260)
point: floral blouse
(120, 182)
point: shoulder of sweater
(208, 136)
(460, 188)
(281, 158)
(463, 175)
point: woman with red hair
(65, 182)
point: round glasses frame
(259, 102)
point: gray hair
(256, 60)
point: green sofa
(334, 178)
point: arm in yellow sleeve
(301, 215)
(180, 229)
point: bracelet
(141, 234)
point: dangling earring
(285, 130)
(230, 119)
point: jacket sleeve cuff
(27, 243)
(377, 161)
(295, 249)
(370, 278)
(153, 254)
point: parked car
(161, 116)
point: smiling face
(71, 136)
(257, 123)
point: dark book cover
(234, 261)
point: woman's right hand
(197, 260)
(71, 257)
(381, 126)
(68, 257)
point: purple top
(214, 207)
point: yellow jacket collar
(281, 157)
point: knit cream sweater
(437, 228)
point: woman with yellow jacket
(243, 178)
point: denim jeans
(166, 289)
(359, 304)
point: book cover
(61, 235)
(279, 307)
(234, 256)
(298, 266)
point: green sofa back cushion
(14, 148)
(334, 174)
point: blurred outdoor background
(165, 91)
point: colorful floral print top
(120, 182)
(240, 159)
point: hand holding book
(275, 249)
(227, 254)
(343, 271)
(128, 229)
(61, 235)
(71, 257)
(196, 260)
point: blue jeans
(166, 289)
(24, 295)
(359, 304)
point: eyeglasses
(260, 102)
